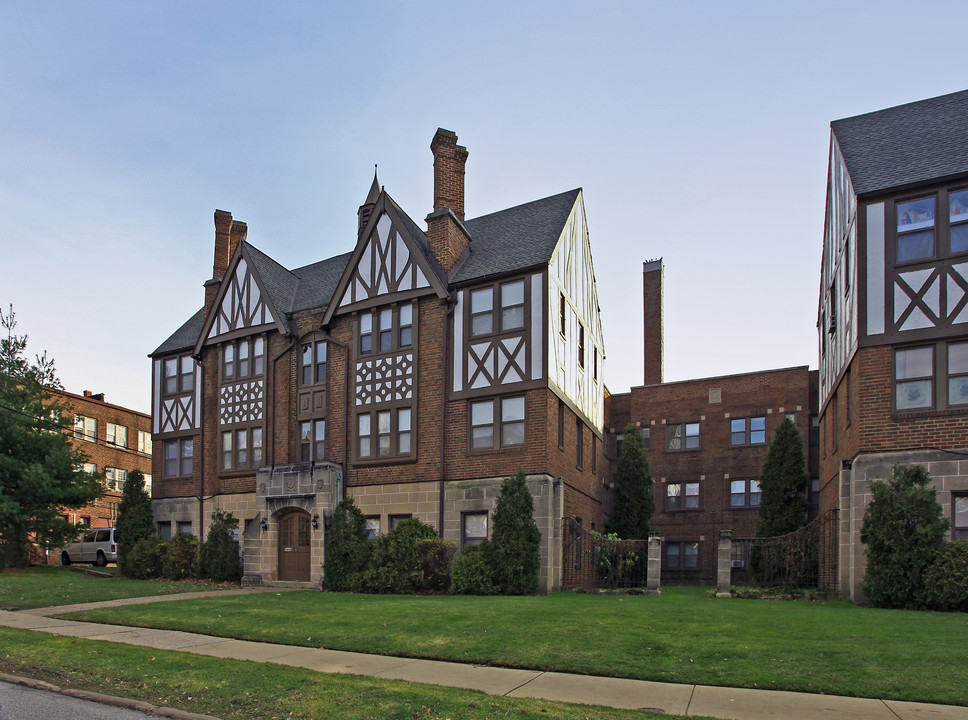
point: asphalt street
(23, 703)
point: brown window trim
(497, 424)
(498, 307)
(180, 377)
(684, 436)
(252, 359)
(377, 329)
(395, 434)
(942, 225)
(939, 378)
(747, 431)
(683, 487)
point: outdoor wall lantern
(264, 525)
(315, 522)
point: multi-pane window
(930, 226)
(372, 527)
(312, 440)
(89, 468)
(144, 442)
(85, 428)
(179, 456)
(914, 378)
(682, 496)
(164, 529)
(915, 229)
(486, 318)
(313, 363)
(185, 526)
(243, 359)
(512, 305)
(681, 555)
(179, 374)
(386, 329)
(114, 478)
(747, 431)
(744, 493)
(497, 423)
(682, 436)
(117, 435)
(960, 511)
(242, 448)
(958, 221)
(474, 528)
(385, 433)
(958, 373)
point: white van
(99, 546)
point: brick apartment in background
(893, 312)
(705, 441)
(116, 441)
(411, 373)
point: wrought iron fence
(591, 559)
(806, 558)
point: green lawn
(681, 636)
(53, 585)
(242, 689)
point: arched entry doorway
(294, 548)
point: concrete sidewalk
(682, 700)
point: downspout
(451, 304)
(346, 408)
(270, 395)
(201, 442)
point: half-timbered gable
(576, 347)
(893, 310)
(388, 273)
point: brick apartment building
(411, 373)
(893, 312)
(706, 440)
(116, 440)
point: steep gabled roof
(520, 237)
(185, 336)
(905, 145)
(516, 238)
(318, 281)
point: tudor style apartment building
(411, 373)
(893, 312)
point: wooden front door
(294, 548)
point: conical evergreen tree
(631, 490)
(135, 520)
(514, 551)
(783, 484)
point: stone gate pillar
(652, 583)
(724, 564)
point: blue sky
(699, 132)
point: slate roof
(185, 336)
(516, 238)
(905, 145)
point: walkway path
(683, 700)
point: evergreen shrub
(946, 579)
(904, 528)
(219, 556)
(471, 573)
(514, 552)
(135, 520)
(347, 549)
(395, 564)
(145, 560)
(181, 559)
(436, 556)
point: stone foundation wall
(949, 473)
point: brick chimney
(445, 230)
(228, 234)
(653, 274)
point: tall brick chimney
(228, 234)
(445, 230)
(652, 278)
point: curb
(127, 703)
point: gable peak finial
(374, 193)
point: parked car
(99, 546)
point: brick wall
(713, 403)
